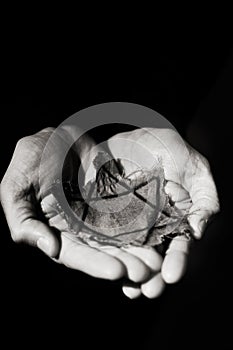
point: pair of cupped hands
(143, 270)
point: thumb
(22, 219)
(175, 261)
(203, 193)
(198, 220)
(36, 233)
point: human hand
(22, 190)
(190, 186)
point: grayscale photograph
(115, 201)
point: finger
(198, 221)
(203, 194)
(148, 255)
(178, 195)
(53, 213)
(136, 269)
(89, 260)
(154, 286)
(175, 261)
(199, 217)
(184, 206)
(23, 222)
(131, 290)
(37, 233)
(176, 192)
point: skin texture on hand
(189, 183)
(22, 190)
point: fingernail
(43, 244)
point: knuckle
(24, 142)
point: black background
(191, 86)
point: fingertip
(135, 269)
(115, 270)
(174, 266)
(168, 277)
(197, 225)
(154, 287)
(139, 273)
(49, 245)
(46, 239)
(54, 246)
(197, 234)
(132, 291)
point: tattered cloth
(117, 210)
